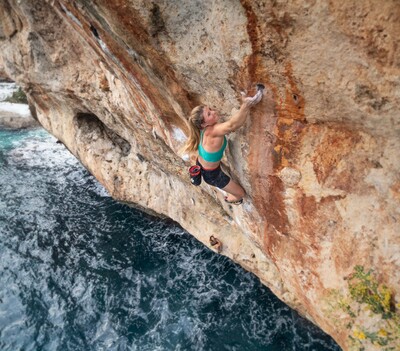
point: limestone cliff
(115, 81)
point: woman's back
(211, 148)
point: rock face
(115, 81)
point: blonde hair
(195, 121)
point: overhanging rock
(115, 81)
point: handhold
(260, 86)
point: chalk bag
(195, 175)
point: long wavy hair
(195, 121)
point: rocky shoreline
(13, 120)
(13, 115)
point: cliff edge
(116, 80)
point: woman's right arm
(238, 119)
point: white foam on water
(6, 90)
(47, 153)
(73, 261)
(106, 337)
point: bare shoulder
(221, 129)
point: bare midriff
(208, 165)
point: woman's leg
(216, 177)
(236, 192)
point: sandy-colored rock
(3, 76)
(12, 120)
(115, 81)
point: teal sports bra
(211, 156)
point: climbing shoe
(237, 202)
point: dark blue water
(79, 271)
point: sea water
(80, 271)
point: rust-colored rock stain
(274, 133)
(290, 121)
(252, 31)
(336, 144)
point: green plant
(366, 293)
(365, 289)
(18, 97)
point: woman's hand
(252, 101)
(238, 119)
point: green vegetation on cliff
(18, 97)
(368, 298)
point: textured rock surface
(3, 76)
(115, 80)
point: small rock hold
(140, 157)
(290, 176)
(331, 223)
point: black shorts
(215, 177)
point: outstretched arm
(238, 119)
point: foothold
(215, 243)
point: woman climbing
(207, 135)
